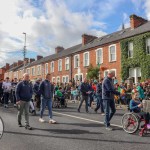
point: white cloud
(147, 8)
(54, 25)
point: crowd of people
(104, 92)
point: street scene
(74, 75)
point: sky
(52, 23)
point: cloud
(47, 24)
(147, 8)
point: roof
(116, 36)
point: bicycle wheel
(130, 123)
(1, 127)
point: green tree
(93, 72)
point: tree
(93, 72)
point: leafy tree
(93, 72)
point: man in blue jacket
(46, 92)
(23, 96)
(108, 92)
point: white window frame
(67, 58)
(38, 72)
(115, 70)
(33, 73)
(88, 62)
(147, 52)
(57, 79)
(78, 76)
(110, 54)
(53, 79)
(78, 56)
(28, 71)
(130, 50)
(99, 49)
(60, 65)
(65, 77)
(52, 68)
(46, 68)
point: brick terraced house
(73, 62)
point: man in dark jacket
(108, 92)
(23, 96)
(46, 92)
(36, 91)
(85, 90)
(99, 97)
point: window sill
(113, 61)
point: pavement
(73, 131)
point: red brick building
(73, 62)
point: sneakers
(6, 106)
(109, 128)
(148, 126)
(27, 127)
(103, 114)
(51, 121)
(15, 105)
(79, 110)
(19, 124)
(41, 120)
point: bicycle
(1, 127)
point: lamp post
(24, 51)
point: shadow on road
(77, 138)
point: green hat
(95, 81)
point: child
(136, 105)
(74, 92)
(59, 93)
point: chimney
(20, 62)
(39, 57)
(31, 60)
(26, 60)
(87, 38)
(7, 66)
(14, 64)
(58, 49)
(136, 21)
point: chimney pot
(87, 38)
(58, 49)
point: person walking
(37, 94)
(14, 84)
(46, 92)
(99, 97)
(23, 96)
(108, 92)
(85, 90)
(7, 90)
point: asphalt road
(74, 131)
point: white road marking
(72, 116)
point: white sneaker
(15, 105)
(41, 120)
(109, 128)
(103, 114)
(51, 121)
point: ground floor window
(106, 72)
(135, 74)
(65, 79)
(78, 77)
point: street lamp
(24, 50)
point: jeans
(109, 105)
(84, 98)
(48, 103)
(14, 97)
(6, 98)
(23, 106)
(99, 103)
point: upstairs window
(46, 68)
(60, 65)
(76, 61)
(130, 49)
(38, 70)
(112, 53)
(86, 59)
(67, 63)
(52, 66)
(99, 56)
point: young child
(136, 105)
(74, 92)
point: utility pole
(24, 52)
